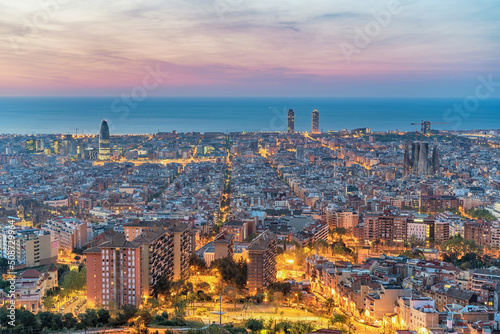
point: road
(71, 306)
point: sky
(345, 48)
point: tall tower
(291, 120)
(406, 160)
(423, 156)
(315, 121)
(415, 151)
(104, 150)
(435, 160)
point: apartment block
(69, 233)
(32, 247)
(122, 271)
(223, 245)
(261, 261)
(479, 231)
(236, 227)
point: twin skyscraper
(314, 123)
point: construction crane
(425, 126)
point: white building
(417, 230)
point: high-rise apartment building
(261, 261)
(125, 267)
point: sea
(83, 115)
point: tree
(143, 320)
(232, 293)
(283, 327)
(63, 269)
(49, 302)
(4, 265)
(162, 286)
(127, 312)
(70, 321)
(481, 214)
(88, 319)
(232, 272)
(180, 309)
(341, 230)
(284, 287)
(254, 325)
(57, 321)
(197, 263)
(320, 245)
(5, 286)
(204, 286)
(45, 319)
(26, 319)
(103, 316)
(415, 254)
(301, 327)
(339, 319)
(329, 305)
(459, 245)
(418, 253)
(414, 241)
(75, 280)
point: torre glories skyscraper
(104, 150)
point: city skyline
(237, 166)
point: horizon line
(242, 97)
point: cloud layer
(249, 48)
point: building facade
(122, 270)
(291, 121)
(261, 261)
(69, 233)
(315, 121)
(104, 145)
